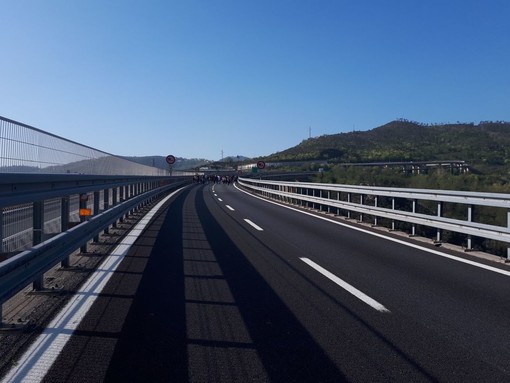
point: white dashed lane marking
(346, 286)
(256, 227)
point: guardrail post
(393, 208)
(64, 223)
(375, 204)
(106, 202)
(329, 197)
(361, 203)
(83, 205)
(469, 218)
(130, 195)
(413, 226)
(439, 212)
(96, 211)
(349, 201)
(121, 199)
(37, 228)
(114, 202)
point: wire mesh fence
(25, 149)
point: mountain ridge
(402, 140)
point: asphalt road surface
(220, 286)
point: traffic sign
(261, 164)
(170, 159)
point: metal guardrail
(22, 188)
(330, 196)
(29, 266)
(45, 182)
(19, 191)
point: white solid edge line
(38, 359)
(415, 246)
(253, 225)
(346, 286)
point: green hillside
(487, 143)
(484, 147)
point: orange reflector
(85, 212)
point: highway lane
(220, 288)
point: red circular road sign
(261, 164)
(170, 159)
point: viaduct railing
(437, 209)
(56, 195)
(103, 200)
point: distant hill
(487, 143)
(160, 162)
(235, 159)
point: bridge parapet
(25, 149)
(415, 207)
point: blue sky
(196, 79)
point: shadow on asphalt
(202, 312)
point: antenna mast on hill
(309, 132)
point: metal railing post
(413, 227)
(106, 204)
(393, 208)
(37, 236)
(349, 201)
(361, 203)
(121, 199)
(114, 202)
(64, 223)
(83, 205)
(439, 213)
(470, 219)
(96, 211)
(375, 205)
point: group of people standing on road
(216, 179)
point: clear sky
(195, 78)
